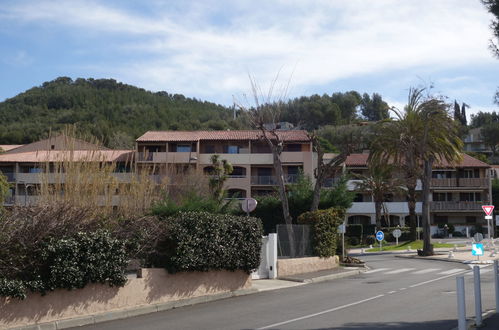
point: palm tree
(422, 134)
(379, 183)
(395, 140)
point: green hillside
(106, 109)
(117, 114)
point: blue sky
(207, 49)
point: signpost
(342, 230)
(380, 236)
(488, 216)
(397, 233)
(477, 250)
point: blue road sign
(380, 235)
(477, 249)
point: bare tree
(264, 116)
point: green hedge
(200, 241)
(73, 262)
(354, 230)
(324, 224)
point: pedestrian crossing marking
(428, 270)
(401, 270)
(451, 271)
(376, 270)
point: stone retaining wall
(155, 286)
(287, 267)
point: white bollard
(451, 255)
(461, 303)
(478, 296)
(496, 283)
(455, 248)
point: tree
(483, 118)
(490, 136)
(374, 109)
(220, 171)
(4, 189)
(379, 183)
(493, 8)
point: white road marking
(428, 270)
(451, 271)
(320, 313)
(398, 271)
(376, 270)
(391, 292)
(402, 289)
(435, 279)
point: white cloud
(191, 52)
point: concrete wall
(155, 286)
(287, 267)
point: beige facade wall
(156, 286)
(287, 267)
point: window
(358, 198)
(441, 174)
(292, 147)
(209, 149)
(238, 172)
(442, 197)
(233, 149)
(183, 148)
(52, 147)
(470, 197)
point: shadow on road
(441, 324)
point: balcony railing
(456, 206)
(460, 182)
(272, 180)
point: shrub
(354, 230)
(73, 262)
(369, 230)
(370, 239)
(354, 240)
(200, 241)
(324, 229)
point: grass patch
(403, 246)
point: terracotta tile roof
(357, 160)
(63, 155)
(7, 147)
(194, 136)
(468, 161)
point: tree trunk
(411, 205)
(427, 246)
(284, 198)
(317, 194)
(377, 207)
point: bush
(371, 239)
(200, 241)
(457, 234)
(354, 241)
(73, 262)
(354, 230)
(324, 225)
(369, 230)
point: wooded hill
(116, 113)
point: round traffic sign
(249, 205)
(478, 237)
(380, 235)
(397, 233)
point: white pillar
(272, 255)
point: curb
(470, 323)
(431, 258)
(324, 278)
(131, 312)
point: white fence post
(496, 283)
(478, 296)
(272, 255)
(461, 303)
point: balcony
(392, 208)
(456, 206)
(257, 158)
(265, 180)
(460, 183)
(11, 177)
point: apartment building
(250, 156)
(26, 166)
(458, 192)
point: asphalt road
(396, 294)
